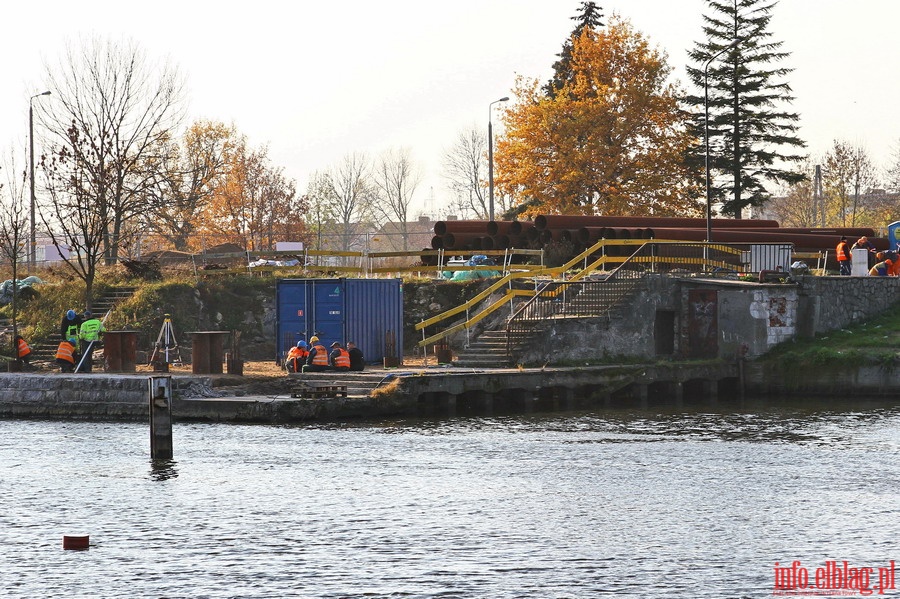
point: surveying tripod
(166, 344)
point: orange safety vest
(24, 350)
(321, 357)
(298, 353)
(343, 359)
(66, 351)
(843, 253)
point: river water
(606, 503)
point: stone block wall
(829, 303)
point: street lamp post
(491, 158)
(730, 46)
(32, 238)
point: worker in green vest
(90, 334)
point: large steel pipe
(809, 241)
(562, 221)
(505, 227)
(442, 227)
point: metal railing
(596, 294)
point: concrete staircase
(359, 384)
(46, 352)
(110, 299)
(489, 350)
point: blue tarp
(6, 288)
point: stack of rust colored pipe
(800, 238)
(561, 221)
(479, 235)
(583, 231)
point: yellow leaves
(610, 140)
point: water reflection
(163, 469)
(632, 503)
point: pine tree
(748, 94)
(587, 18)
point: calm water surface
(629, 504)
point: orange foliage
(611, 142)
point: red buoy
(76, 541)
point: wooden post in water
(161, 417)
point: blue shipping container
(368, 312)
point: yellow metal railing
(588, 268)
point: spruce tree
(752, 134)
(588, 17)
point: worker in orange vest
(66, 356)
(318, 357)
(843, 256)
(23, 351)
(296, 357)
(339, 358)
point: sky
(317, 81)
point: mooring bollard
(161, 417)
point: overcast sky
(318, 80)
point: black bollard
(161, 417)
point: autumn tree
(254, 204)
(612, 141)
(748, 95)
(110, 110)
(182, 179)
(589, 17)
(396, 179)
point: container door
(328, 310)
(292, 315)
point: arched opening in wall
(549, 399)
(511, 401)
(432, 402)
(626, 397)
(694, 390)
(473, 402)
(729, 389)
(661, 393)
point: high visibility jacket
(340, 358)
(66, 351)
(843, 252)
(297, 353)
(321, 356)
(91, 330)
(23, 348)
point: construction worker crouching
(883, 268)
(66, 355)
(23, 352)
(296, 357)
(339, 358)
(318, 357)
(91, 335)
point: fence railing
(597, 297)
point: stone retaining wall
(829, 303)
